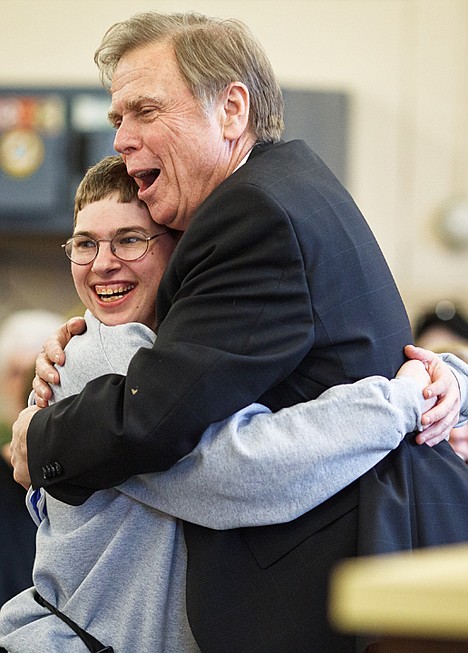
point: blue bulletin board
(50, 136)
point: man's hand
(439, 420)
(19, 447)
(52, 353)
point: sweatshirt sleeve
(258, 468)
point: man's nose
(126, 139)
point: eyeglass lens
(128, 246)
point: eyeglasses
(126, 246)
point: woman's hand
(439, 420)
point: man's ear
(235, 110)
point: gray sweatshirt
(116, 565)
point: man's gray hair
(211, 53)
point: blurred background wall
(403, 65)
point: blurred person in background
(21, 336)
(442, 326)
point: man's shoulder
(287, 170)
(290, 154)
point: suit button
(52, 470)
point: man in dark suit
(276, 291)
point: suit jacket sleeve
(237, 319)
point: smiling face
(176, 153)
(118, 291)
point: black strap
(91, 642)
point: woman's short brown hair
(108, 177)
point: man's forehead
(142, 61)
(138, 81)
(130, 78)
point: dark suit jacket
(276, 291)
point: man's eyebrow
(133, 105)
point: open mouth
(108, 295)
(146, 178)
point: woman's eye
(85, 244)
(130, 240)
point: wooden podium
(412, 602)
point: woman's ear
(235, 111)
